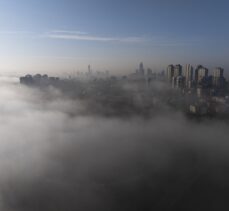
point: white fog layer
(55, 154)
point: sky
(65, 36)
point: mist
(63, 151)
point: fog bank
(58, 155)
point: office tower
(141, 69)
(149, 75)
(177, 70)
(196, 72)
(188, 76)
(89, 68)
(200, 73)
(218, 79)
(170, 72)
(218, 72)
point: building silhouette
(141, 69)
(188, 76)
(177, 70)
(170, 72)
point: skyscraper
(197, 72)
(200, 73)
(89, 69)
(188, 76)
(218, 79)
(141, 69)
(170, 72)
(177, 70)
(218, 72)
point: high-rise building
(170, 72)
(197, 72)
(188, 75)
(200, 73)
(89, 69)
(177, 70)
(141, 69)
(218, 79)
(218, 72)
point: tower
(89, 69)
(170, 72)
(177, 70)
(218, 79)
(200, 73)
(141, 69)
(188, 75)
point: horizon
(112, 73)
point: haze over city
(65, 36)
(114, 105)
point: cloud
(57, 153)
(84, 36)
(74, 35)
(150, 40)
(68, 32)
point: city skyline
(63, 36)
(114, 105)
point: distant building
(196, 72)
(178, 82)
(38, 80)
(174, 75)
(170, 72)
(28, 79)
(206, 82)
(177, 70)
(202, 72)
(89, 69)
(218, 72)
(218, 79)
(188, 76)
(141, 69)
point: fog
(64, 152)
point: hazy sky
(67, 35)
